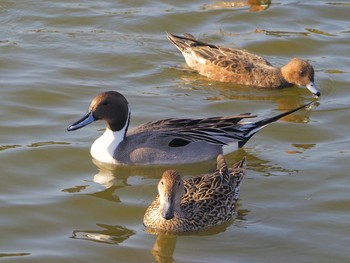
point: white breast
(103, 148)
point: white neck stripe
(103, 148)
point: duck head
(170, 190)
(110, 106)
(301, 73)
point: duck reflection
(259, 165)
(254, 5)
(301, 147)
(108, 235)
(113, 178)
(164, 247)
(165, 244)
(285, 99)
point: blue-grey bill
(313, 89)
(87, 119)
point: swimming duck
(168, 141)
(241, 67)
(196, 203)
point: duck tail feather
(263, 123)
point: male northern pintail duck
(168, 141)
(241, 67)
(196, 203)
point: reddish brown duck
(241, 67)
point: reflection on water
(6, 147)
(265, 167)
(165, 244)
(109, 234)
(241, 214)
(109, 194)
(280, 33)
(4, 255)
(164, 247)
(309, 31)
(75, 189)
(301, 147)
(40, 144)
(118, 177)
(285, 99)
(34, 144)
(254, 5)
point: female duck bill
(168, 208)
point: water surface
(57, 205)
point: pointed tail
(238, 170)
(221, 163)
(186, 41)
(257, 126)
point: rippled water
(58, 206)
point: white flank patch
(190, 60)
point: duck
(196, 203)
(241, 67)
(167, 141)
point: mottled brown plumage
(197, 203)
(241, 67)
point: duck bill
(87, 119)
(313, 89)
(168, 209)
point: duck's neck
(285, 80)
(104, 147)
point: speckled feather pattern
(237, 65)
(207, 201)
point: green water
(58, 206)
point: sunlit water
(57, 205)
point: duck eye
(302, 73)
(105, 103)
(161, 182)
(178, 184)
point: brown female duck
(241, 67)
(197, 203)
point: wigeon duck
(241, 67)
